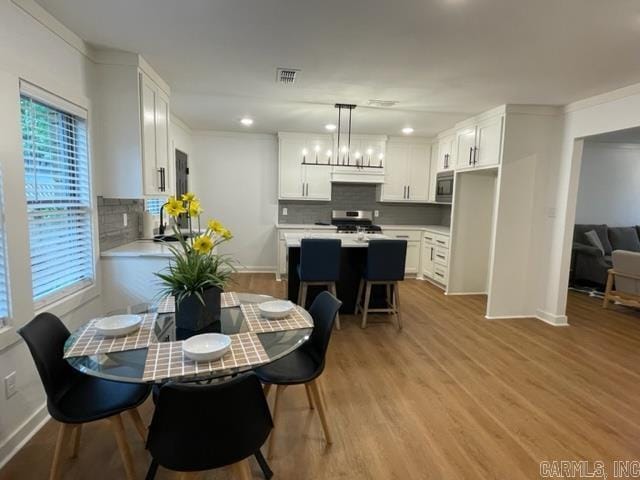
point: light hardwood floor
(451, 396)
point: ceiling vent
(382, 103)
(287, 76)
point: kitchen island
(352, 264)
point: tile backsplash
(348, 196)
(111, 227)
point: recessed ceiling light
(407, 130)
(330, 126)
(246, 121)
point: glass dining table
(128, 366)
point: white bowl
(276, 309)
(206, 347)
(118, 325)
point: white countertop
(140, 248)
(442, 229)
(349, 240)
(304, 226)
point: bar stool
(319, 265)
(385, 266)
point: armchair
(625, 278)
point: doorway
(182, 180)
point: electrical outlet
(376, 213)
(10, 385)
(125, 219)
(285, 212)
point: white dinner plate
(206, 347)
(118, 325)
(276, 309)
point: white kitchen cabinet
(297, 181)
(427, 260)
(282, 247)
(489, 142)
(407, 172)
(479, 143)
(413, 238)
(131, 109)
(435, 256)
(445, 152)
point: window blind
(58, 199)
(4, 287)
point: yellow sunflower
(226, 234)
(189, 197)
(216, 226)
(174, 207)
(194, 208)
(202, 244)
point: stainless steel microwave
(444, 187)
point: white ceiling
(441, 59)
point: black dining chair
(201, 427)
(319, 266)
(73, 398)
(304, 365)
(385, 266)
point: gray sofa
(589, 265)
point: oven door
(444, 187)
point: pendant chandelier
(342, 157)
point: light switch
(376, 213)
(285, 212)
(125, 220)
(10, 385)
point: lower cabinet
(435, 257)
(413, 238)
(281, 254)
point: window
(58, 197)
(152, 205)
(4, 289)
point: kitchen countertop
(140, 248)
(302, 226)
(442, 229)
(349, 240)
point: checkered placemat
(167, 360)
(258, 324)
(90, 342)
(227, 300)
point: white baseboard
(552, 319)
(249, 269)
(507, 317)
(466, 293)
(23, 434)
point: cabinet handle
(440, 256)
(440, 242)
(408, 192)
(402, 236)
(428, 239)
(470, 155)
(432, 254)
(404, 192)
(475, 155)
(161, 187)
(439, 274)
(446, 160)
(307, 194)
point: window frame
(72, 296)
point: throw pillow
(624, 238)
(594, 240)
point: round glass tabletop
(128, 366)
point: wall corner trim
(552, 319)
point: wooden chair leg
(309, 399)
(390, 302)
(242, 470)
(607, 290)
(77, 433)
(321, 410)
(358, 297)
(188, 475)
(63, 436)
(302, 299)
(266, 389)
(274, 415)
(332, 289)
(365, 306)
(123, 446)
(138, 423)
(396, 304)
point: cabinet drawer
(440, 274)
(441, 256)
(429, 238)
(408, 235)
(441, 241)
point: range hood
(356, 175)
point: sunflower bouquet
(195, 268)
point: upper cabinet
(478, 143)
(407, 172)
(445, 151)
(303, 170)
(131, 113)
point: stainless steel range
(352, 221)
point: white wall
(235, 175)
(616, 110)
(609, 188)
(30, 51)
